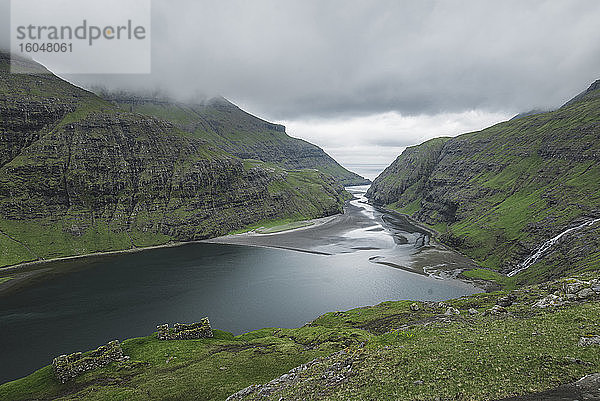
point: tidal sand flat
(374, 234)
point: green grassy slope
(388, 351)
(498, 194)
(225, 125)
(80, 175)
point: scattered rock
(506, 301)
(573, 286)
(418, 382)
(550, 301)
(244, 392)
(335, 373)
(452, 311)
(414, 307)
(586, 388)
(576, 361)
(496, 310)
(586, 341)
(473, 311)
(585, 293)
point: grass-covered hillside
(81, 175)
(481, 347)
(500, 193)
(230, 128)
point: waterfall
(547, 245)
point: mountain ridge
(80, 175)
(499, 193)
(227, 126)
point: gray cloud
(4, 25)
(314, 64)
(313, 58)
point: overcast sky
(364, 79)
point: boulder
(496, 310)
(587, 341)
(506, 301)
(573, 286)
(452, 311)
(585, 293)
(550, 301)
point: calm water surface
(239, 288)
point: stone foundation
(67, 367)
(181, 331)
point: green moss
(48, 239)
(13, 252)
(497, 359)
(82, 111)
(409, 209)
(491, 275)
(208, 368)
(267, 225)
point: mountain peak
(20, 64)
(594, 87)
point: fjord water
(90, 301)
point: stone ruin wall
(181, 331)
(67, 367)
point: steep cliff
(230, 128)
(78, 175)
(500, 193)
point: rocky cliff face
(228, 127)
(498, 194)
(79, 175)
